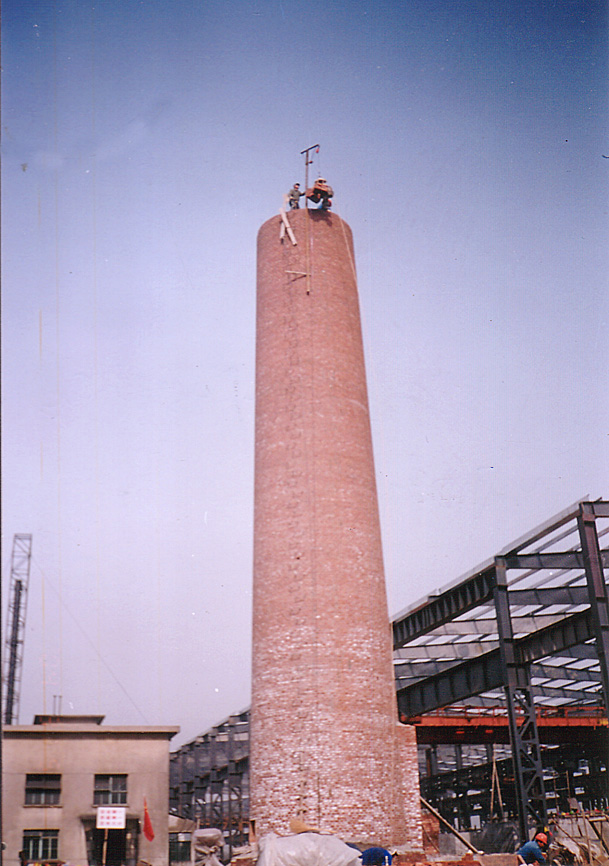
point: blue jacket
(531, 852)
(375, 857)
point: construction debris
(207, 844)
(306, 849)
(581, 839)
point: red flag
(148, 831)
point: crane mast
(15, 632)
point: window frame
(179, 847)
(47, 847)
(42, 789)
(114, 792)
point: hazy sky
(144, 142)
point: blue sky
(143, 145)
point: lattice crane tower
(15, 632)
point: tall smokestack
(325, 747)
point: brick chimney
(325, 745)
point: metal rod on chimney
(308, 162)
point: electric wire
(58, 394)
(91, 643)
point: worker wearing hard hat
(321, 191)
(535, 851)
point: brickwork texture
(325, 747)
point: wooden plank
(288, 227)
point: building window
(41, 844)
(42, 789)
(179, 847)
(110, 790)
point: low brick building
(59, 772)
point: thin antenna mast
(308, 162)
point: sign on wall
(111, 818)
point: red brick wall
(323, 720)
(430, 826)
(407, 738)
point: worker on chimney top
(294, 196)
(321, 191)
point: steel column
(431, 761)
(201, 768)
(597, 588)
(234, 818)
(526, 750)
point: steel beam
(563, 635)
(531, 622)
(568, 561)
(480, 674)
(597, 588)
(598, 509)
(544, 530)
(574, 675)
(441, 609)
(549, 692)
(579, 652)
(445, 651)
(544, 597)
(483, 673)
(413, 671)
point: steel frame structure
(524, 633)
(209, 779)
(21, 557)
(521, 614)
